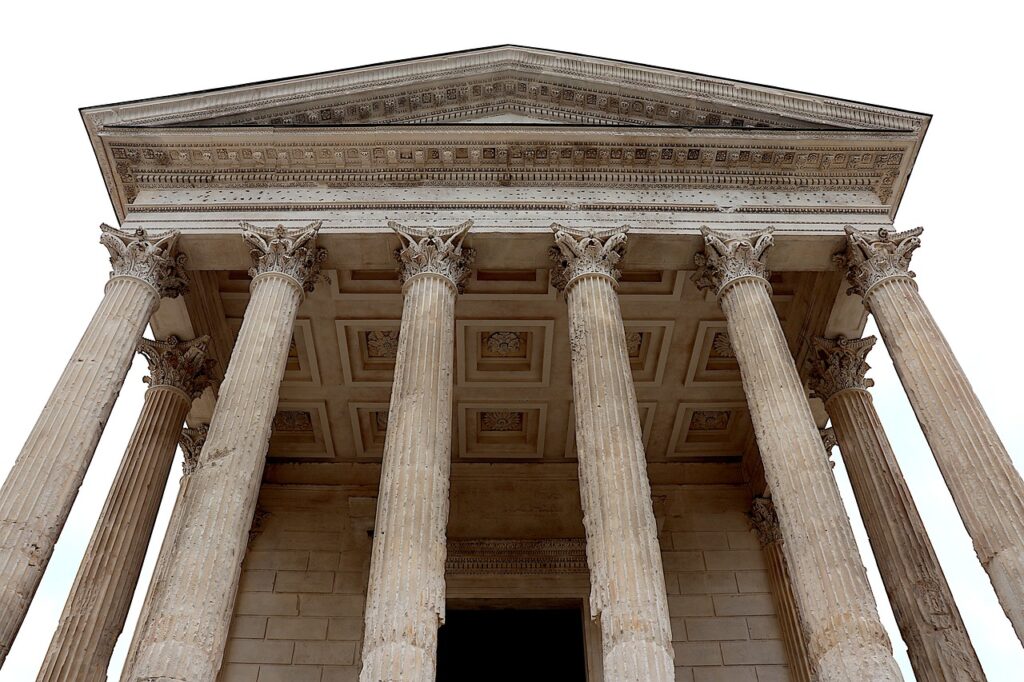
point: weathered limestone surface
(627, 578)
(846, 640)
(37, 496)
(406, 593)
(101, 594)
(987, 489)
(928, 618)
(766, 523)
(189, 605)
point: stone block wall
(299, 611)
(724, 627)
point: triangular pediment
(507, 85)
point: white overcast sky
(958, 62)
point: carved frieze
(838, 365)
(727, 258)
(516, 557)
(184, 365)
(152, 259)
(289, 252)
(873, 258)
(440, 252)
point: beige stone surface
(101, 594)
(985, 485)
(189, 610)
(936, 638)
(846, 639)
(37, 496)
(627, 578)
(405, 599)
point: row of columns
(822, 587)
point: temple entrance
(511, 645)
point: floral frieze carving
(152, 259)
(382, 343)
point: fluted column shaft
(98, 604)
(846, 639)
(41, 488)
(627, 578)
(405, 596)
(101, 594)
(184, 637)
(929, 621)
(767, 525)
(985, 485)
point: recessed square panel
(644, 410)
(503, 352)
(368, 350)
(301, 368)
(501, 430)
(713, 362)
(369, 284)
(711, 432)
(647, 345)
(508, 285)
(651, 285)
(301, 430)
(369, 428)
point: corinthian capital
(192, 442)
(872, 258)
(289, 252)
(727, 258)
(183, 365)
(151, 259)
(838, 365)
(765, 520)
(586, 252)
(433, 251)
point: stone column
(37, 496)
(766, 524)
(845, 638)
(189, 607)
(987, 489)
(102, 592)
(927, 616)
(405, 596)
(627, 590)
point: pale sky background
(958, 62)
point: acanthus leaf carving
(289, 252)
(838, 365)
(728, 258)
(150, 258)
(434, 251)
(183, 365)
(192, 441)
(765, 521)
(586, 252)
(870, 259)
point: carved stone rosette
(586, 252)
(937, 641)
(627, 578)
(183, 365)
(766, 524)
(191, 442)
(873, 258)
(292, 253)
(88, 628)
(152, 260)
(838, 365)
(729, 258)
(432, 251)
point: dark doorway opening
(511, 645)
